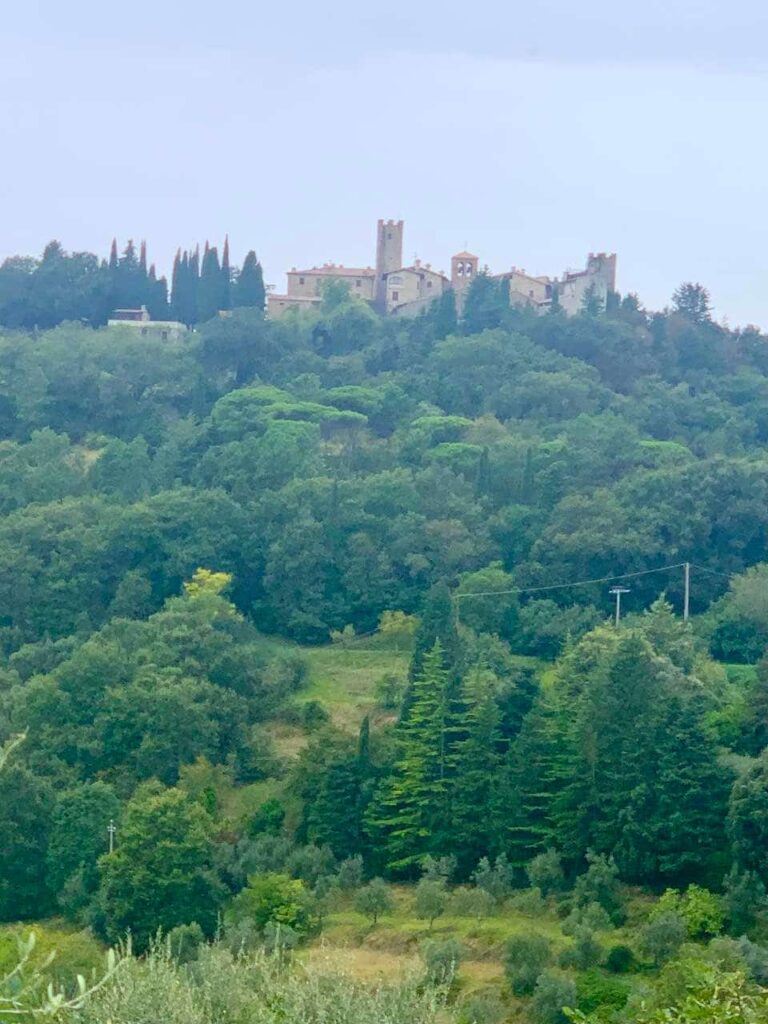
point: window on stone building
(429, 284)
(358, 283)
(301, 280)
(395, 296)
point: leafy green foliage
(525, 958)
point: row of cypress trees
(200, 288)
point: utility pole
(111, 829)
(617, 592)
(687, 601)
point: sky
(530, 133)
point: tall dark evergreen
(410, 817)
(476, 763)
(210, 294)
(249, 288)
(226, 277)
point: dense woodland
(179, 521)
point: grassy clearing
(74, 951)
(344, 679)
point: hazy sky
(532, 133)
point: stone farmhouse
(398, 290)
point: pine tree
(411, 814)
(249, 288)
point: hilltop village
(398, 290)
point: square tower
(389, 256)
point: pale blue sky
(530, 133)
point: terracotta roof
(329, 270)
(465, 256)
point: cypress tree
(444, 313)
(226, 277)
(176, 285)
(113, 256)
(249, 288)
(209, 294)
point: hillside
(318, 614)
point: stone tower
(389, 256)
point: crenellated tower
(389, 256)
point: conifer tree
(529, 783)
(411, 814)
(113, 256)
(249, 288)
(209, 293)
(437, 622)
(226, 277)
(444, 314)
(476, 766)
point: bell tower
(389, 256)
(463, 270)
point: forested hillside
(185, 526)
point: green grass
(344, 679)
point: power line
(561, 586)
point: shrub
(268, 819)
(374, 899)
(280, 938)
(585, 952)
(313, 715)
(545, 872)
(620, 959)
(389, 691)
(663, 936)
(745, 900)
(438, 869)
(468, 901)
(184, 942)
(590, 916)
(350, 875)
(600, 884)
(529, 902)
(702, 911)
(441, 958)
(525, 958)
(278, 898)
(482, 1008)
(595, 991)
(742, 954)
(259, 987)
(553, 992)
(495, 879)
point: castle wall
(306, 283)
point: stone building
(140, 321)
(397, 290)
